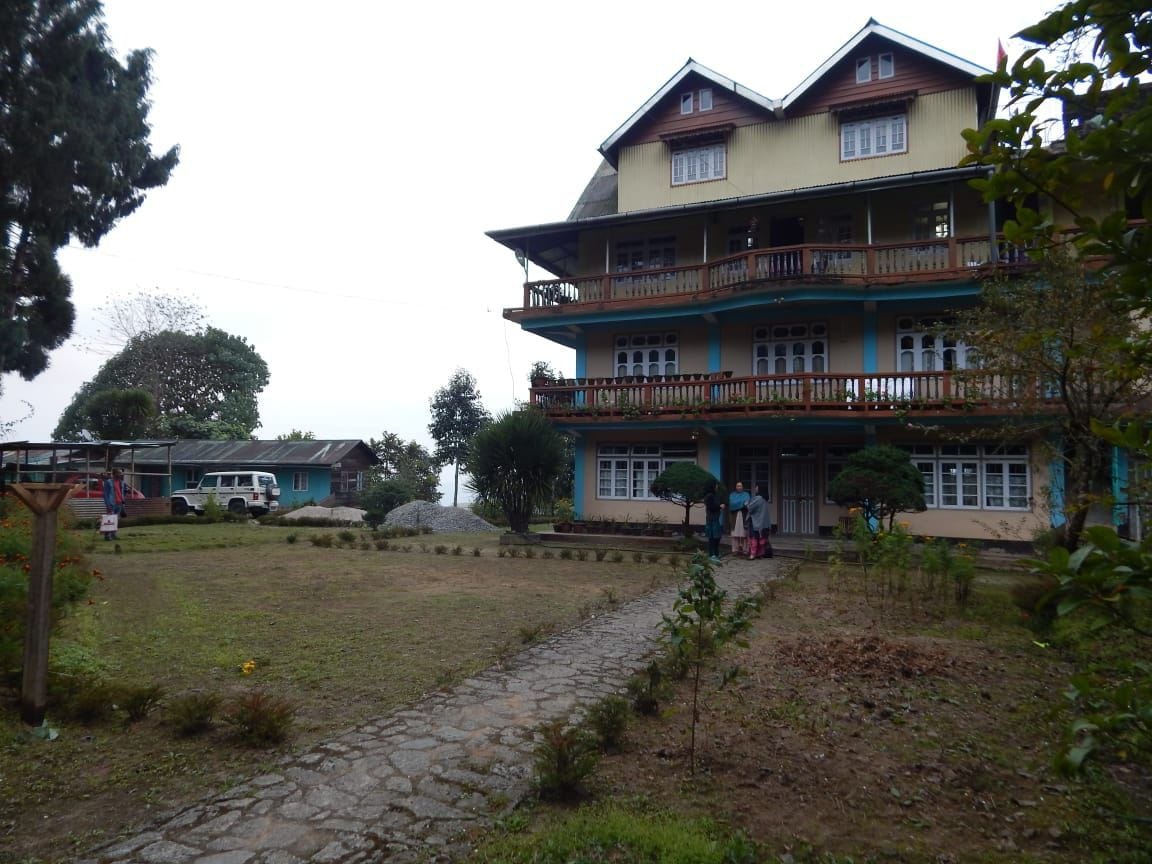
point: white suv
(255, 492)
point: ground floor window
(626, 471)
(299, 481)
(974, 476)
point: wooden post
(44, 500)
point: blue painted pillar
(579, 446)
(1056, 491)
(1120, 510)
(871, 347)
(581, 372)
(713, 456)
(714, 348)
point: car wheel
(180, 508)
(237, 506)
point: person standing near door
(738, 507)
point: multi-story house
(755, 284)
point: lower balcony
(722, 395)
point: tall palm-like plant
(514, 463)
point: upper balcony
(912, 262)
(722, 396)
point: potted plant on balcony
(542, 374)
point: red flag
(1001, 54)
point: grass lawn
(862, 731)
(344, 633)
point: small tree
(514, 463)
(379, 499)
(457, 415)
(685, 484)
(296, 435)
(407, 461)
(700, 625)
(881, 481)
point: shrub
(601, 554)
(90, 701)
(608, 719)
(260, 719)
(565, 757)
(647, 689)
(139, 702)
(653, 557)
(324, 541)
(347, 536)
(441, 549)
(581, 554)
(529, 551)
(383, 545)
(548, 553)
(617, 557)
(637, 557)
(475, 551)
(566, 554)
(212, 509)
(291, 538)
(457, 550)
(192, 713)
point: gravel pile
(442, 520)
(338, 514)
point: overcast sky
(341, 161)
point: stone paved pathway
(404, 787)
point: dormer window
(879, 136)
(697, 164)
(686, 103)
(885, 68)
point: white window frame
(299, 481)
(686, 103)
(624, 472)
(798, 347)
(699, 164)
(705, 97)
(885, 60)
(920, 349)
(876, 136)
(971, 476)
(646, 354)
(863, 70)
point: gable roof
(612, 142)
(873, 27)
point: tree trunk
(456, 483)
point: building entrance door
(798, 498)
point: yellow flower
(247, 667)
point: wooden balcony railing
(721, 394)
(832, 262)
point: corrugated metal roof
(264, 453)
(600, 195)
